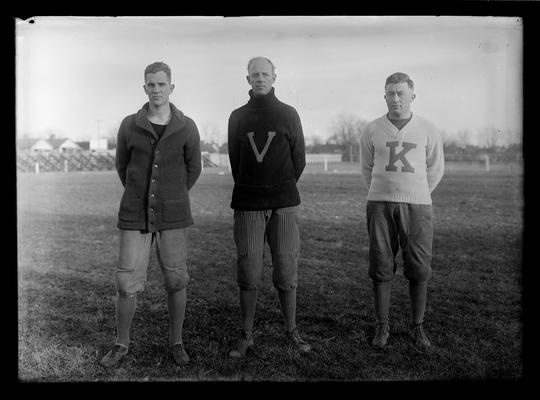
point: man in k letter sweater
(267, 155)
(402, 162)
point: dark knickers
(391, 225)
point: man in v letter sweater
(402, 163)
(267, 155)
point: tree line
(500, 145)
(346, 129)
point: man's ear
(172, 87)
(248, 80)
(413, 96)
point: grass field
(67, 253)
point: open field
(67, 252)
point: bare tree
(464, 137)
(447, 137)
(346, 130)
(51, 135)
(210, 132)
(510, 137)
(489, 137)
(314, 140)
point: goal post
(486, 162)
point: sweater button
(156, 165)
(153, 195)
(151, 209)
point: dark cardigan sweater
(157, 173)
(267, 154)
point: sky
(78, 77)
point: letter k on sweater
(401, 165)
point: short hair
(156, 67)
(263, 58)
(399, 77)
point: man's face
(158, 88)
(261, 77)
(398, 98)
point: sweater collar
(262, 101)
(176, 122)
(392, 127)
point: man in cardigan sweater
(267, 155)
(158, 160)
(402, 163)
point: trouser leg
(383, 248)
(130, 278)
(416, 234)
(284, 242)
(172, 256)
(249, 237)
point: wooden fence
(76, 161)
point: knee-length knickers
(280, 229)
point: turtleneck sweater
(266, 152)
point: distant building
(25, 144)
(102, 145)
(98, 145)
(68, 146)
(84, 145)
(224, 148)
(323, 158)
(41, 145)
(209, 147)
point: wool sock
(287, 300)
(176, 304)
(418, 295)
(381, 292)
(125, 309)
(248, 305)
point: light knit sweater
(404, 165)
